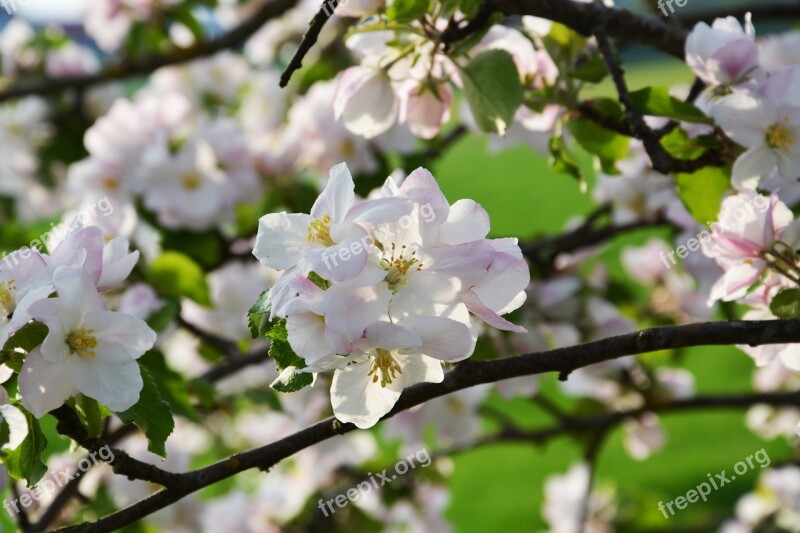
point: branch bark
(466, 374)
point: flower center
(398, 266)
(386, 365)
(190, 180)
(110, 184)
(780, 137)
(7, 290)
(82, 342)
(319, 231)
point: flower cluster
(382, 291)
(755, 100)
(87, 348)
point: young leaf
(786, 304)
(25, 462)
(608, 146)
(258, 316)
(151, 414)
(406, 10)
(562, 159)
(702, 192)
(175, 274)
(287, 362)
(493, 90)
(657, 102)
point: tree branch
(309, 39)
(146, 64)
(466, 374)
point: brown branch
(143, 65)
(466, 374)
(309, 39)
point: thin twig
(309, 39)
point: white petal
(338, 196)
(115, 385)
(477, 307)
(356, 398)
(752, 166)
(77, 295)
(442, 338)
(44, 386)
(467, 222)
(281, 240)
(17, 426)
(134, 335)
(391, 336)
(307, 336)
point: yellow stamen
(7, 290)
(82, 342)
(388, 367)
(780, 136)
(191, 180)
(319, 231)
(398, 266)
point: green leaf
(258, 316)
(315, 278)
(204, 247)
(177, 275)
(24, 340)
(562, 159)
(678, 144)
(492, 89)
(287, 362)
(406, 10)
(608, 146)
(702, 192)
(151, 414)
(593, 70)
(26, 461)
(292, 380)
(657, 102)
(91, 414)
(786, 304)
(171, 384)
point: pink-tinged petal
(477, 307)
(365, 101)
(735, 282)
(77, 295)
(442, 338)
(506, 279)
(282, 239)
(423, 188)
(307, 336)
(115, 385)
(118, 263)
(355, 398)
(467, 222)
(82, 248)
(736, 59)
(338, 196)
(130, 333)
(380, 210)
(391, 336)
(753, 166)
(349, 311)
(426, 112)
(21, 313)
(44, 386)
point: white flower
(391, 357)
(88, 349)
(365, 101)
(723, 53)
(24, 279)
(770, 130)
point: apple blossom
(88, 349)
(724, 53)
(365, 101)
